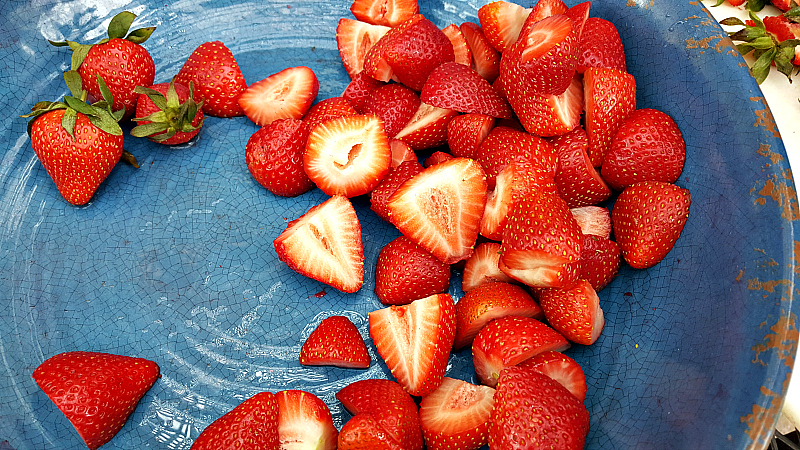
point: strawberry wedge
(456, 416)
(287, 94)
(304, 421)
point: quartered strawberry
(648, 218)
(287, 94)
(166, 113)
(648, 146)
(483, 267)
(348, 155)
(574, 311)
(325, 244)
(395, 104)
(561, 368)
(384, 12)
(533, 408)
(363, 432)
(505, 145)
(441, 207)
(485, 58)
(304, 421)
(511, 184)
(579, 184)
(251, 425)
(594, 220)
(335, 342)
(547, 8)
(427, 128)
(274, 156)
(95, 391)
(392, 414)
(330, 108)
(466, 132)
(217, 78)
(487, 302)
(609, 96)
(600, 260)
(401, 152)
(436, 158)
(456, 415)
(461, 52)
(600, 46)
(354, 38)
(544, 114)
(396, 177)
(455, 86)
(501, 22)
(509, 340)
(541, 242)
(415, 341)
(406, 272)
(357, 91)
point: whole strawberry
(78, 149)
(217, 79)
(167, 113)
(96, 391)
(119, 59)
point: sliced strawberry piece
(375, 63)
(440, 208)
(357, 91)
(594, 220)
(348, 156)
(251, 425)
(546, 8)
(600, 46)
(579, 184)
(487, 302)
(406, 272)
(485, 58)
(501, 22)
(482, 267)
(505, 145)
(600, 260)
(456, 86)
(363, 432)
(466, 132)
(335, 342)
(390, 407)
(574, 312)
(414, 53)
(384, 12)
(395, 104)
(428, 127)
(274, 156)
(462, 53)
(217, 78)
(436, 158)
(304, 421)
(456, 415)
(511, 184)
(545, 114)
(354, 38)
(561, 368)
(327, 109)
(401, 152)
(325, 244)
(284, 95)
(396, 177)
(609, 95)
(541, 242)
(648, 218)
(509, 340)
(415, 341)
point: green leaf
(744, 49)
(793, 14)
(58, 43)
(149, 129)
(119, 114)
(79, 53)
(68, 122)
(756, 5)
(732, 21)
(763, 43)
(104, 90)
(164, 136)
(79, 105)
(120, 24)
(719, 2)
(783, 61)
(74, 82)
(105, 121)
(156, 97)
(158, 116)
(757, 20)
(140, 35)
(761, 67)
(173, 101)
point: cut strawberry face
(594, 220)
(544, 114)
(579, 184)
(509, 340)
(440, 208)
(348, 156)
(427, 128)
(600, 260)
(483, 267)
(395, 104)
(325, 244)
(609, 96)
(415, 341)
(455, 86)
(546, 8)
(501, 22)
(384, 12)
(335, 342)
(466, 132)
(462, 53)
(354, 38)
(285, 95)
(511, 184)
(396, 177)
(406, 272)
(456, 415)
(485, 58)
(401, 152)
(600, 46)
(304, 421)
(505, 145)
(561, 368)
(574, 312)
(274, 156)
(363, 432)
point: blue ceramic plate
(174, 261)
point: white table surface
(783, 99)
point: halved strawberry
(436, 158)
(335, 342)
(505, 145)
(462, 53)
(594, 220)
(456, 86)
(579, 184)
(304, 421)
(395, 104)
(347, 156)
(325, 244)
(274, 156)
(511, 184)
(487, 302)
(561, 368)
(466, 132)
(329, 108)
(600, 260)
(415, 341)
(544, 114)
(609, 96)
(384, 12)
(509, 340)
(482, 267)
(574, 311)
(251, 425)
(501, 22)
(541, 242)
(427, 128)
(401, 152)
(354, 38)
(485, 58)
(396, 177)
(440, 208)
(363, 432)
(406, 272)
(284, 95)
(357, 91)
(217, 79)
(547, 8)
(600, 46)
(456, 415)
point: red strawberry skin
(304, 420)
(77, 166)
(395, 104)
(574, 312)
(466, 132)
(600, 261)
(96, 391)
(417, 52)
(396, 177)
(561, 368)
(406, 272)
(483, 267)
(217, 78)
(505, 145)
(609, 96)
(579, 184)
(455, 86)
(363, 432)
(274, 156)
(335, 342)
(601, 46)
(251, 425)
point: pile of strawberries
(530, 128)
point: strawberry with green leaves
(166, 113)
